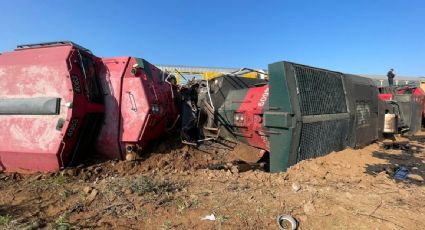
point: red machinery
(50, 102)
(55, 97)
(418, 96)
(139, 105)
(410, 102)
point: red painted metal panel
(386, 97)
(108, 141)
(135, 107)
(33, 142)
(133, 87)
(252, 108)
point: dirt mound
(174, 188)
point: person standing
(391, 76)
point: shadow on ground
(408, 156)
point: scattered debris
(296, 187)
(286, 222)
(415, 177)
(401, 173)
(209, 217)
(87, 189)
(237, 166)
(92, 195)
(71, 172)
(130, 156)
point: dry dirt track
(172, 189)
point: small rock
(234, 169)
(87, 189)
(92, 195)
(296, 187)
(71, 172)
(128, 191)
(362, 185)
(97, 170)
(309, 208)
(228, 173)
(389, 170)
(86, 177)
(314, 181)
(415, 177)
(185, 149)
(38, 177)
(229, 165)
(211, 176)
(162, 164)
(387, 142)
(130, 156)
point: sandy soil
(174, 187)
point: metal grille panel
(321, 138)
(321, 92)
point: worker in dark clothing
(391, 76)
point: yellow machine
(422, 85)
(184, 73)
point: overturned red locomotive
(57, 99)
(50, 104)
(139, 106)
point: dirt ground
(175, 186)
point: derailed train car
(57, 100)
(139, 106)
(302, 112)
(50, 105)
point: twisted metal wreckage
(58, 99)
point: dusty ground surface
(172, 188)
